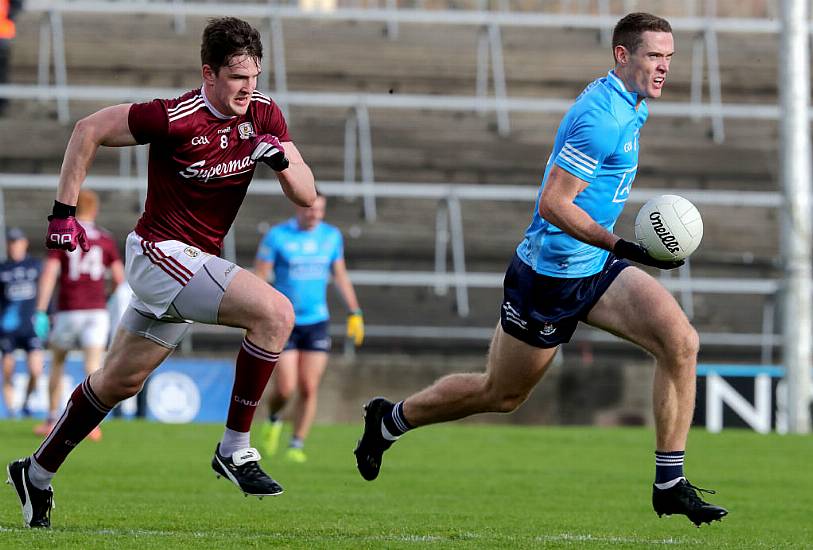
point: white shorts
(80, 329)
(158, 271)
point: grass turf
(452, 486)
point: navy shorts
(544, 311)
(309, 338)
(25, 339)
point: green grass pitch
(452, 486)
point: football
(669, 227)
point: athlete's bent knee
(307, 392)
(504, 400)
(129, 387)
(282, 393)
(113, 390)
(509, 402)
(684, 345)
(277, 317)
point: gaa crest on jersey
(191, 252)
(245, 130)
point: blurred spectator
(18, 295)
(8, 11)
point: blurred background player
(82, 320)
(19, 329)
(303, 252)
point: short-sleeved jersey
(18, 293)
(82, 274)
(303, 261)
(199, 165)
(597, 142)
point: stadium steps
(357, 56)
(428, 146)
(450, 147)
(404, 239)
(432, 59)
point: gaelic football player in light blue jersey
(597, 143)
(571, 267)
(303, 253)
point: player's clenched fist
(64, 231)
(268, 149)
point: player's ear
(209, 74)
(621, 54)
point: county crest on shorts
(548, 329)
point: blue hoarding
(180, 390)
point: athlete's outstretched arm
(297, 180)
(342, 281)
(47, 283)
(117, 273)
(108, 127)
(263, 269)
(355, 319)
(556, 206)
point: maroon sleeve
(273, 122)
(148, 121)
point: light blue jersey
(597, 142)
(302, 265)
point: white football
(669, 227)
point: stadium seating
(430, 145)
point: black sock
(668, 466)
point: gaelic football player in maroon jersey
(82, 321)
(204, 147)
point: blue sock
(668, 468)
(394, 425)
(296, 443)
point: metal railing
(449, 236)
(489, 44)
(358, 141)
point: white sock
(39, 476)
(234, 441)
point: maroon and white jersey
(200, 165)
(82, 274)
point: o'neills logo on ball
(666, 237)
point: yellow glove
(355, 327)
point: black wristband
(281, 165)
(62, 210)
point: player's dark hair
(226, 37)
(629, 30)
